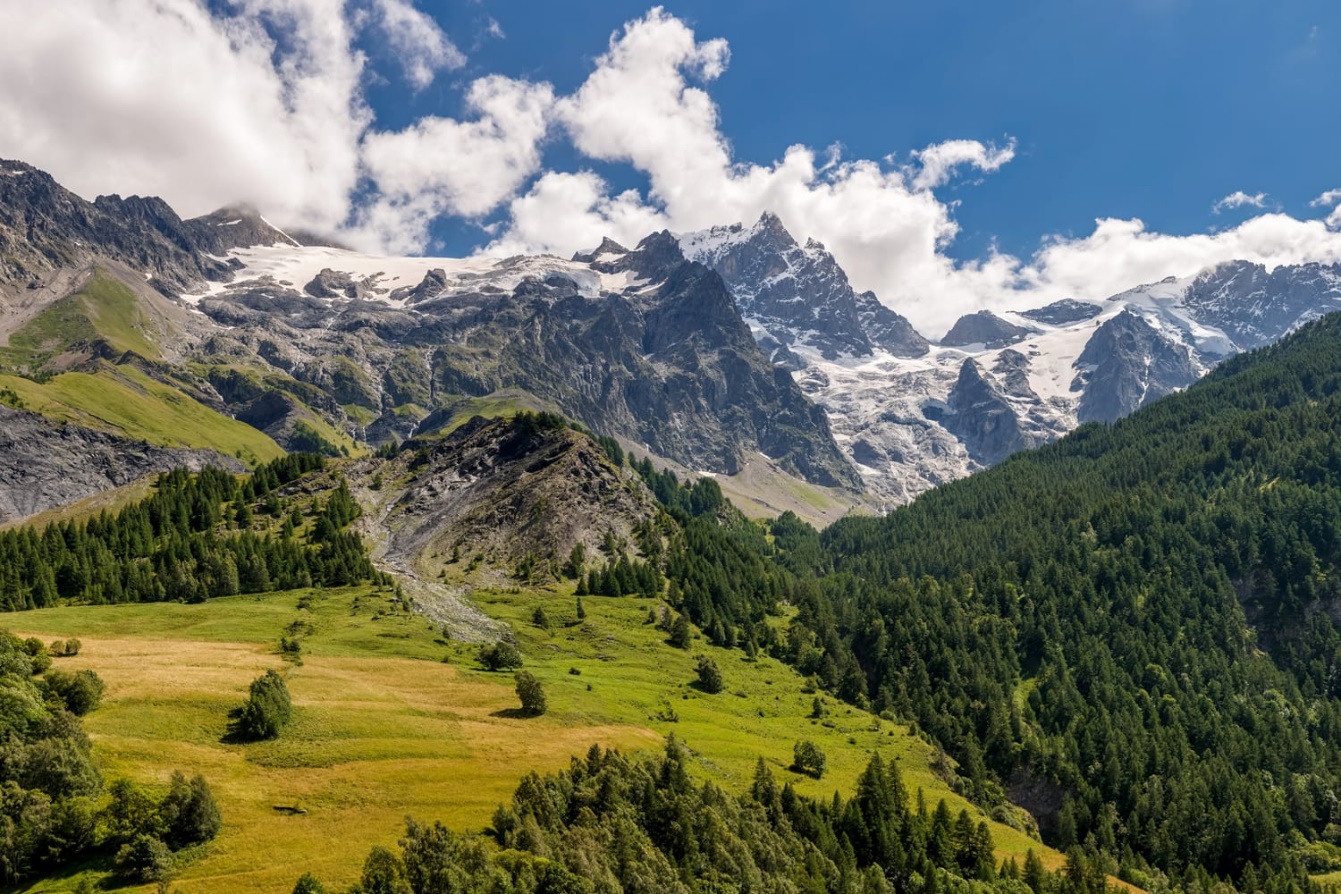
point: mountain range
(718, 351)
(912, 412)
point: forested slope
(1133, 630)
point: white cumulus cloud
(160, 96)
(423, 48)
(1328, 199)
(938, 163)
(264, 102)
(465, 168)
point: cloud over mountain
(264, 101)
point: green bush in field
(501, 655)
(80, 692)
(531, 693)
(268, 709)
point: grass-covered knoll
(103, 309)
(500, 404)
(123, 399)
(384, 728)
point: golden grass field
(386, 728)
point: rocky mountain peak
(769, 227)
(984, 328)
(1063, 312)
(1253, 305)
(233, 227)
(798, 296)
(1127, 364)
(608, 246)
(45, 227)
(653, 259)
(982, 417)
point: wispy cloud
(1240, 199)
(1328, 199)
(422, 47)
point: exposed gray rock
(1012, 371)
(431, 286)
(1254, 307)
(984, 328)
(983, 418)
(44, 464)
(237, 226)
(798, 294)
(1064, 312)
(1126, 365)
(45, 228)
(887, 329)
(608, 246)
(332, 284)
(669, 364)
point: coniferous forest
(1134, 626)
(197, 536)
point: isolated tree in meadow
(808, 759)
(268, 709)
(679, 632)
(709, 677)
(531, 693)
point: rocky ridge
(795, 295)
(44, 464)
(641, 344)
(314, 344)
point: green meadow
(394, 719)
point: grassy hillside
(386, 727)
(103, 308)
(123, 399)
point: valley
(1003, 610)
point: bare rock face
(1126, 365)
(431, 286)
(983, 418)
(44, 464)
(511, 492)
(238, 226)
(642, 344)
(797, 294)
(1061, 313)
(984, 328)
(45, 227)
(333, 284)
(1255, 307)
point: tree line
(197, 536)
(612, 824)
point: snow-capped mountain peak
(797, 296)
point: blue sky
(1121, 108)
(990, 154)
